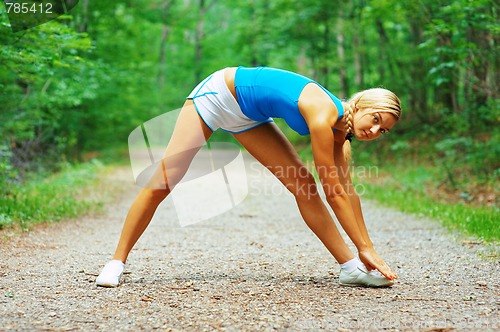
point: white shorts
(217, 107)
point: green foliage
(478, 222)
(41, 72)
(8, 174)
(118, 64)
(465, 158)
(83, 82)
(418, 188)
(50, 198)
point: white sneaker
(362, 278)
(111, 274)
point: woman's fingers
(387, 272)
(373, 261)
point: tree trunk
(358, 61)
(358, 44)
(344, 83)
(382, 50)
(198, 72)
(417, 86)
(254, 57)
(480, 67)
(447, 92)
(83, 26)
(165, 32)
(325, 51)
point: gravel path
(257, 267)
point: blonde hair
(373, 101)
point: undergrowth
(65, 194)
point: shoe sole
(365, 286)
(107, 285)
(358, 283)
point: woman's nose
(375, 129)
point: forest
(74, 88)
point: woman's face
(369, 125)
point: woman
(243, 101)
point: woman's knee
(303, 186)
(166, 177)
(155, 194)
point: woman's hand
(373, 261)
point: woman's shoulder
(316, 105)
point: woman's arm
(336, 196)
(345, 180)
(321, 116)
(345, 206)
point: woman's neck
(340, 124)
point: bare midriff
(229, 74)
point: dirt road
(255, 267)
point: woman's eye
(382, 131)
(375, 118)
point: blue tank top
(265, 93)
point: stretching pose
(243, 101)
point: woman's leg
(189, 135)
(271, 148)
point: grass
(67, 194)
(418, 189)
(480, 222)
(411, 188)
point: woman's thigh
(270, 147)
(189, 135)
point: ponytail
(349, 110)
